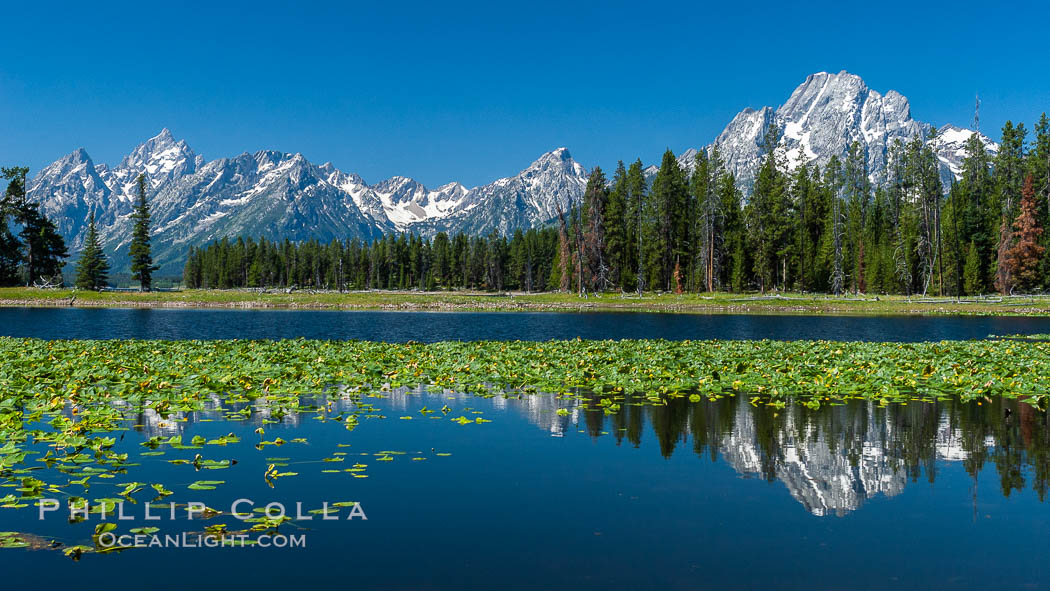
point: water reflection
(831, 460)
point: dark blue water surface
(79, 323)
(687, 495)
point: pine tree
(92, 268)
(767, 214)
(857, 193)
(708, 218)
(10, 254)
(800, 190)
(925, 184)
(638, 200)
(564, 257)
(977, 208)
(1024, 257)
(898, 204)
(45, 250)
(663, 227)
(595, 204)
(973, 281)
(142, 267)
(616, 227)
(51, 250)
(1039, 166)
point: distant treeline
(802, 228)
(394, 262)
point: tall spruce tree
(93, 267)
(1039, 166)
(10, 254)
(142, 266)
(664, 228)
(638, 203)
(977, 210)
(616, 226)
(857, 192)
(595, 206)
(44, 248)
(768, 216)
(708, 220)
(1009, 178)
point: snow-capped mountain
(406, 202)
(67, 189)
(161, 158)
(281, 195)
(950, 146)
(268, 193)
(821, 119)
(530, 198)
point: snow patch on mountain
(950, 146)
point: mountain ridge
(283, 195)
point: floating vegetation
(42, 377)
(1022, 337)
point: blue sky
(475, 91)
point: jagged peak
(162, 140)
(557, 153)
(748, 113)
(162, 150)
(74, 159)
(79, 155)
(558, 157)
(822, 87)
(454, 186)
(843, 77)
(396, 181)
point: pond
(557, 491)
(167, 324)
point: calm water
(77, 323)
(683, 496)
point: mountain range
(283, 195)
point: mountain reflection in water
(831, 460)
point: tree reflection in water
(834, 458)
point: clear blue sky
(475, 91)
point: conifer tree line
(802, 228)
(36, 254)
(527, 261)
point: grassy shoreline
(543, 302)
